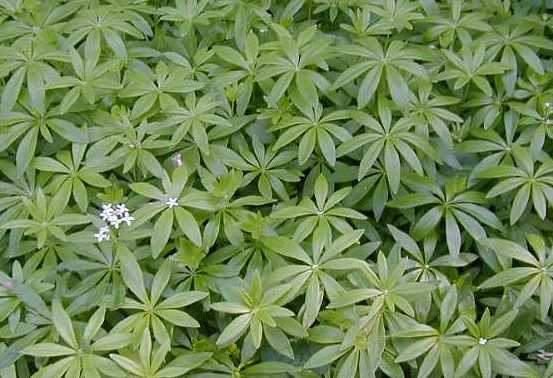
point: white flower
(172, 202)
(103, 234)
(114, 216)
(121, 209)
(107, 212)
(115, 223)
(482, 341)
(127, 218)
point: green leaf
(368, 86)
(350, 74)
(412, 200)
(392, 166)
(160, 281)
(397, 86)
(111, 342)
(313, 301)
(147, 190)
(26, 294)
(63, 324)
(94, 324)
(12, 90)
(279, 88)
(306, 146)
(286, 247)
(182, 299)
(230, 55)
(115, 42)
(405, 241)
(228, 307)
(234, 330)
(502, 323)
(49, 164)
(25, 151)
(278, 340)
(48, 350)
(430, 361)
(510, 249)
(416, 349)
(507, 277)
(326, 144)
(519, 204)
(184, 363)
(68, 131)
(188, 225)
(354, 296)
(453, 234)
(131, 272)
(467, 362)
(162, 231)
(448, 306)
(427, 223)
(179, 318)
(325, 356)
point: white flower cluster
(113, 215)
(103, 234)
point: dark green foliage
(270, 188)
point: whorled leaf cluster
(257, 188)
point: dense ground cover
(236, 188)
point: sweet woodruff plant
(269, 188)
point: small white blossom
(116, 223)
(121, 209)
(114, 216)
(127, 219)
(172, 202)
(103, 234)
(482, 341)
(177, 159)
(107, 212)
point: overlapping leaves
(215, 188)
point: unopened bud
(8, 284)
(177, 159)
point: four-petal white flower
(113, 215)
(172, 202)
